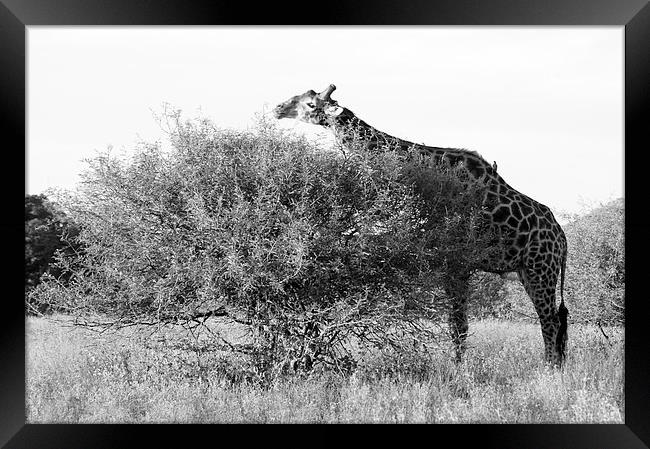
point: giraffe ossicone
(531, 242)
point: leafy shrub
(319, 253)
(47, 230)
(595, 279)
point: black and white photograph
(325, 224)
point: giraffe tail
(563, 312)
(562, 271)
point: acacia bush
(47, 230)
(318, 254)
(595, 278)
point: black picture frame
(633, 15)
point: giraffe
(531, 243)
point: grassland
(77, 376)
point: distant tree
(596, 264)
(315, 252)
(47, 230)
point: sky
(545, 103)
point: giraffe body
(531, 243)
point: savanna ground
(75, 375)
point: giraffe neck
(348, 128)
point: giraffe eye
(311, 105)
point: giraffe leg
(457, 291)
(540, 287)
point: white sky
(545, 103)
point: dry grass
(74, 375)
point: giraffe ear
(333, 110)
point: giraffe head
(310, 107)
